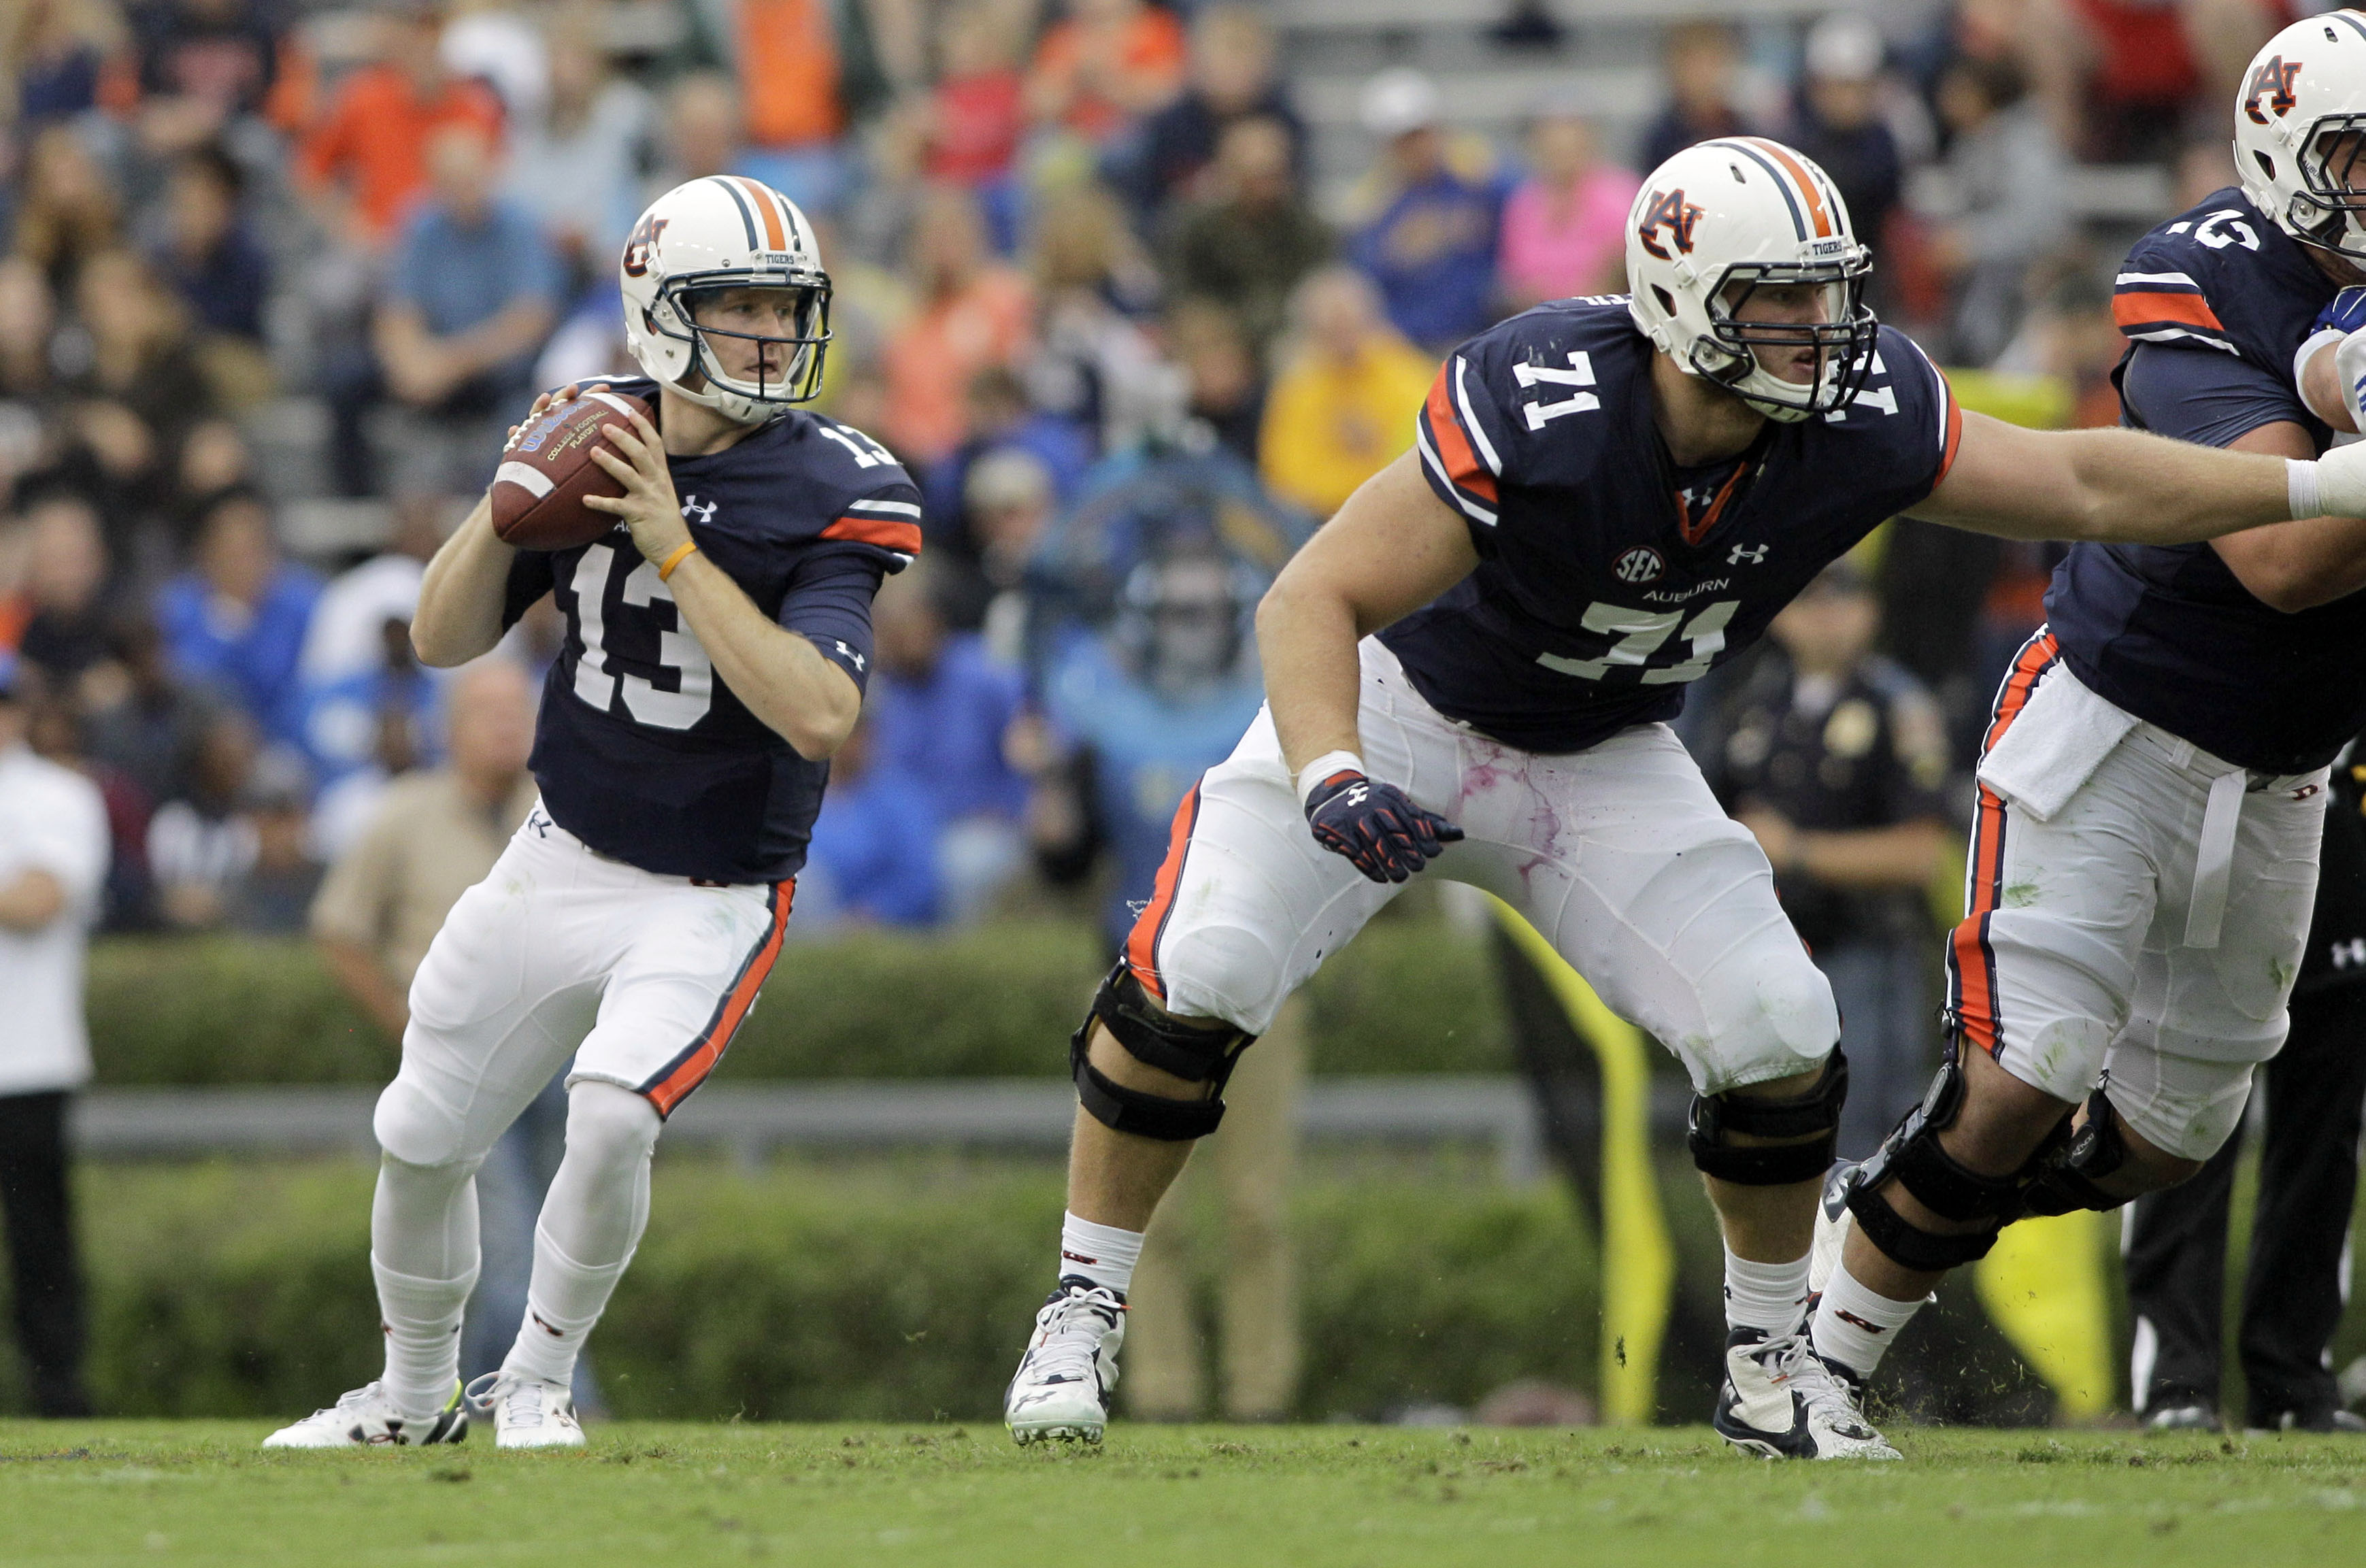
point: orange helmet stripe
(767, 204)
(1816, 208)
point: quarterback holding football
(1472, 664)
(715, 549)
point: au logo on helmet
(643, 239)
(1673, 213)
(2273, 81)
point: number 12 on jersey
(1640, 635)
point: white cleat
(527, 1411)
(1062, 1388)
(1783, 1401)
(367, 1418)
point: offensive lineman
(2152, 783)
(1471, 663)
(716, 645)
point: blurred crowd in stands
(274, 278)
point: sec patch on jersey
(547, 472)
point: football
(546, 471)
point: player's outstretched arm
(799, 695)
(460, 598)
(2125, 487)
(2299, 565)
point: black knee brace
(2095, 1150)
(1912, 1157)
(1817, 1112)
(1153, 1038)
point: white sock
(563, 1301)
(592, 1222)
(1102, 1254)
(1767, 1296)
(422, 1318)
(1855, 1324)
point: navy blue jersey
(641, 750)
(2214, 304)
(1608, 578)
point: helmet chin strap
(703, 394)
(737, 406)
(1735, 386)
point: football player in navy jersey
(2152, 786)
(717, 646)
(1472, 664)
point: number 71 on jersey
(1641, 633)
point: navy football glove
(2345, 312)
(1376, 826)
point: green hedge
(892, 1291)
(1410, 996)
(901, 1290)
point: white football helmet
(2300, 129)
(1727, 217)
(723, 232)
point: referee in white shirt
(53, 850)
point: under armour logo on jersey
(1749, 554)
(1641, 564)
(852, 656)
(693, 513)
(2350, 954)
(538, 822)
(2272, 84)
(1676, 215)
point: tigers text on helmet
(2300, 133)
(1723, 219)
(698, 240)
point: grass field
(155, 1492)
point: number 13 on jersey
(678, 646)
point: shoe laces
(517, 1400)
(1069, 1331)
(1820, 1386)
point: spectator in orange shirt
(973, 314)
(366, 162)
(1108, 64)
(807, 71)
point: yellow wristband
(682, 553)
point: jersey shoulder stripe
(875, 500)
(1950, 411)
(1448, 450)
(2166, 306)
(2222, 276)
(897, 534)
